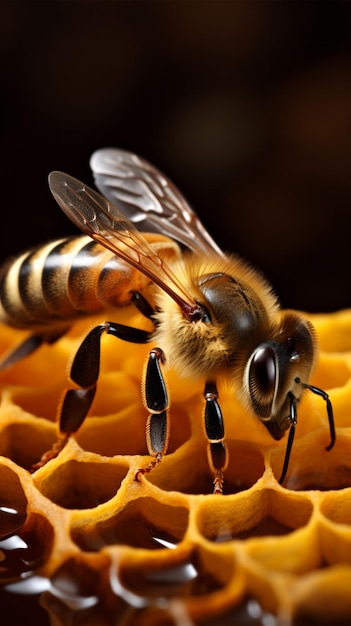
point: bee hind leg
(85, 372)
(28, 346)
(217, 452)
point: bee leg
(217, 452)
(28, 346)
(85, 372)
(156, 401)
(142, 305)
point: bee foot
(51, 454)
(146, 470)
(218, 483)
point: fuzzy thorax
(240, 306)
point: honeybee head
(277, 369)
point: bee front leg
(155, 398)
(85, 372)
(217, 452)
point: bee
(213, 316)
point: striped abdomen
(63, 280)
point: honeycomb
(83, 543)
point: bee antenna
(325, 396)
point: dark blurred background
(245, 105)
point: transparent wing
(148, 198)
(103, 222)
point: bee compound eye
(262, 379)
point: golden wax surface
(164, 550)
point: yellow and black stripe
(60, 281)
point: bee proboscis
(213, 316)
